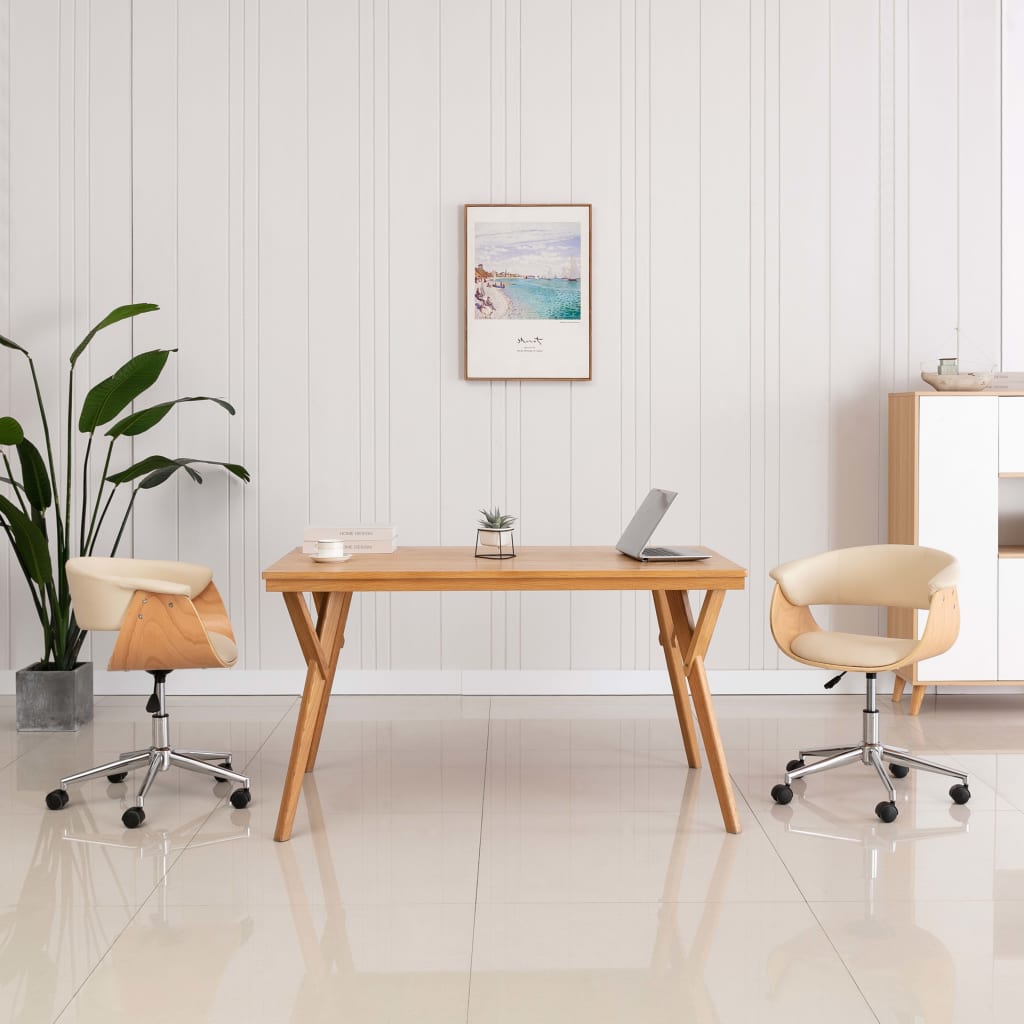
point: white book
(369, 532)
(381, 545)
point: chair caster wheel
(133, 817)
(899, 771)
(797, 762)
(117, 777)
(56, 799)
(959, 793)
(223, 764)
(240, 798)
(887, 811)
(781, 793)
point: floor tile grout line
(479, 853)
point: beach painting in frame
(528, 292)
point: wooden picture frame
(527, 291)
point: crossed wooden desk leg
(685, 644)
(321, 645)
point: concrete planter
(53, 701)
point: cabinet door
(958, 503)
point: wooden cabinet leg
(897, 688)
(917, 698)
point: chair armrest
(789, 621)
(165, 631)
(210, 608)
(941, 627)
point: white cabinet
(956, 482)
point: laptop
(651, 511)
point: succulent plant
(495, 519)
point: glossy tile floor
(516, 860)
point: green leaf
(113, 317)
(29, 541)
(34, 476)
(121, 388)
(158, 468)
(10, 431)
(7, 343)
(147, 465)
(139, 422)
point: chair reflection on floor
(920, 965)
(124, 988)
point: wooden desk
(684, 639)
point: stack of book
(377, 539)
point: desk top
(533, 568)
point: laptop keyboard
(658, 551)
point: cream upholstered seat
(880, 575)
(167, 615)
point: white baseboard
(482, 682)
(598, 682)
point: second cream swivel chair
(881, 575)
(167, 615)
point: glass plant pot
(495, 543)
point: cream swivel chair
(886, 575)
(167, 615)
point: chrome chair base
(159, 757)
(870, 752)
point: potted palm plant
(46, 522)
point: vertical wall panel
(771, 431)
(465, 407)
(596, 428)
(283, 306)
(758, 582)
(725, 305)
(631, 490)
(8, 567)
(414, 465)
(108, 270)
(252, 337)
(545, 504)
(241, 589)
(33, 247)
(203, 282)
(932, 189)
(855, 388)
(978, 182)
(804, 342)
(1013, 185)
(155, 63)
(365, 606)
(335, 440)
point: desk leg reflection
(685, 644)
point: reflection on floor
(517, 860)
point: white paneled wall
(795, 202)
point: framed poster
(528, 292)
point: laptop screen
(651, 511)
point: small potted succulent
(495, 532)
